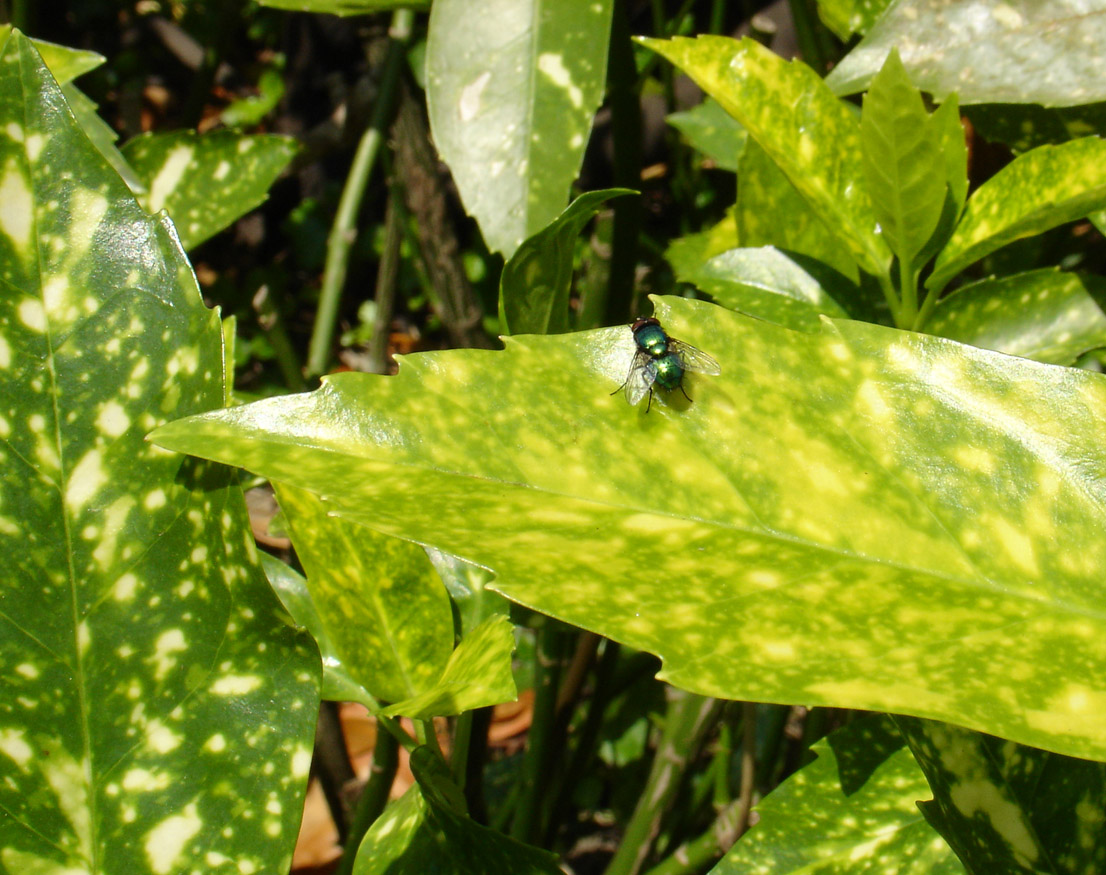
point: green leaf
(291, 588)
(345, 7)
(686, 253)
(1045, 315)
(101, 134)
(206, 181)
(378, 598)
(535, 283)
(846, 17)
(414, 837)
(436, 780)
(770, 211)
(468, 588)
(1009, 808)
(713, 131)
(1033, 193)
(810, 135)
(764, 283)
(511, 93)
(1025, 126)
(65, 64)
(988, 51)
(478, 674)
(851, 810)
(155, 691)
(903, 164)
(954, 148)
(862, 518)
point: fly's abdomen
(669, 371)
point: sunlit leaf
(65, 64)
(206, 181)
(861, 517)
(101, 134)
(1010, 808)
(903, 163)
(478, 674)
(846, 17)
(468, 588)
(851, 810)
(1045, 315)
(713, 131)
(1033, 193)
(685, 254)
(345, 7)
(988, 51)
(413, 837)
(811, 136)
(764, 283)
(379, 599)
(155, 690)
(511, 93)
(535, 283)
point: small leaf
(511, 93)
(1045, 315)
(206, 181)
(954, 148)
(478, 674)
(414, 837)
(436, 781)
(988, 51)
(852, 809)
(378, 598)
(535, 283)
(771, 212)
(1033, 193)
(713, 131)
(764, 283)
(468, 587)
(861, 517)
(65, 64)
(810, 135)
(846, 17)
(903, 163)
(1009, 808)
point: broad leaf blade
(156, 692)
(206, 181)
(713, 131)
(535, 283)
(863, 517)
(1017, 51)
(903, 163)
(511, 92)
(1010, 808)
(809, 134)
(378, 598)
(478, 675)
(851, 810)
(1036, 191)
(764, 283)
(1045, 315)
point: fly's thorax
(669, 370)
(649, 336)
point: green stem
(692, 856)
(527, 823)
(373, 799)
(459, 755)
(344, 231)
(929, 302)
(269, 318)
(686, 721)
(386, 285)
(892, 298)
(908, 287)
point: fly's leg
(688, 397)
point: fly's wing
(641, 377)
(694, 359)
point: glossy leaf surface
(850, 811)
(414, 837)
(861, 517)
(713, 131)
(511, 93)
(64, 63)
(1045, 315)
(155, 691)
(764, 283)
(379, 599)
(478, 674)
(903, 164)
(988, 51)
(1010, 808)
(206, 181)
(810, 135)
(535, 283)
(1033, 193)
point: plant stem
(459, 753)
(373, 799)
(687, 720)
(386, 285)
(269, 318)
(344, 230)
(908, 287)
(892, 298)
(926, 310)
